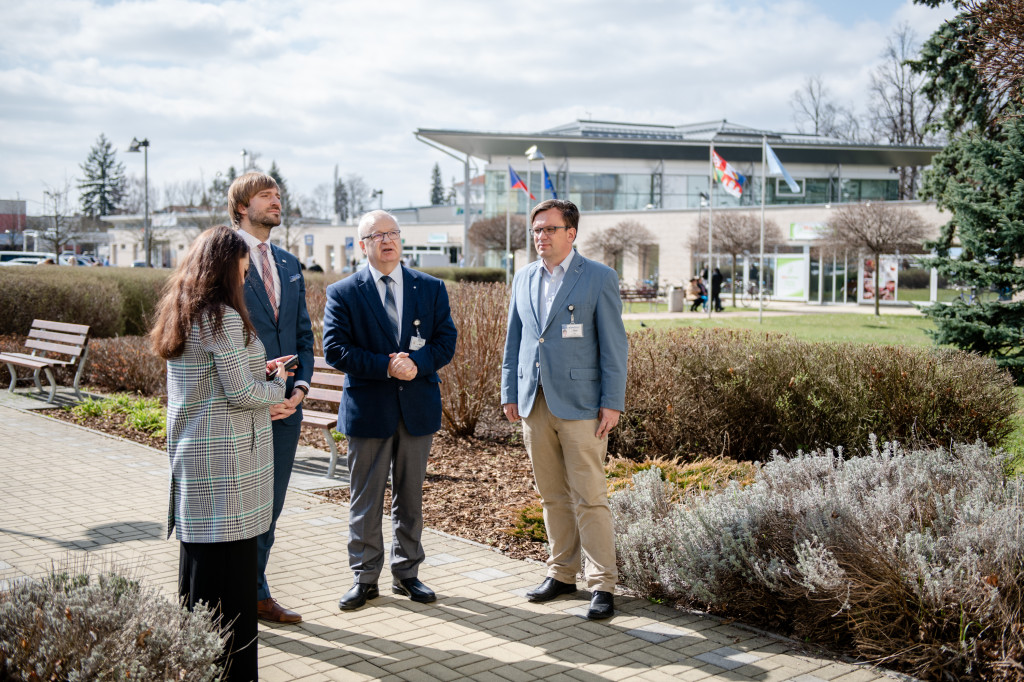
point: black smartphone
(291, 363)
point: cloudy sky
(314, 83)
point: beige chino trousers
(568, 470)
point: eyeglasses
(550, 230)
(378, 237)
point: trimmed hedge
(112, 301)
(742, 394)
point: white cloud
(314, 83)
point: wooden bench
(53, 344)
(325, 385)
(630, 295)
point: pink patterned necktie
(268, 278)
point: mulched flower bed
(475, 487)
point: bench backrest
(58, 337)
(326, 383)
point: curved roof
(737, 143)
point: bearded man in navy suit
(275, 295)
(389, 329)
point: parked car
(10, 255)
(23, 260)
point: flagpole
(508, 221)
(711, 204)
(760, 267)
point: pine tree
(436, 187)
(103, 187)
(341, 201)
(979, 179)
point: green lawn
(855, 327)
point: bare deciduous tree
(624, 238)
(876, 228)
(488, 234)
(737, 233)
(61, 228)
(899, 111)
(816, 112)
(1000, 56)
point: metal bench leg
(14, 376)
(334, 453)
(78, 373)
(53, 383)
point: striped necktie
(391, 306)
(268, 278)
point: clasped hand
(287, 407)
(402, 367)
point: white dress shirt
(396, 275)
(256, 260)
(550, 283)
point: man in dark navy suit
(389, 329)
(275, 295)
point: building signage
(437, 238)
(805, 231)
(309, 240)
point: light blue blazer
(579, 375)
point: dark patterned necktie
(391, 306)
(268, 278)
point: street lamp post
(532, 154)
(378, 194)
(135, 146)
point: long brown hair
(205, 281)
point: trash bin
(676, 299)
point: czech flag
(516, 181)
(731, 180)
(548, 184)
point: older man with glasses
(564, 374)
(389, 329)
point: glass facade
(636, 191)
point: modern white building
(658, 176)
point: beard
(264, 219)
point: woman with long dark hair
(218, 436)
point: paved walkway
(72, 492)
(641, 311)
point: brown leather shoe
(269, 609)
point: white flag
(775, 168)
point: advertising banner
(789, 277)
(887, 279)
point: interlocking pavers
(112, 507)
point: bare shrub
(471, 383)
(73, 625)
(125, 363)
(694, 392)
(912, 559)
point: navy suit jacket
(358, 339)
(292, 332)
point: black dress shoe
(358, 595)
(602, 605)
(549, 589)
(414, 589)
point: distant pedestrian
(716, 290)
(696, 294)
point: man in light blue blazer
(389, 329)
(564, 374)
(275, 296)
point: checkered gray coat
(218, 435)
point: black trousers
(222, 574)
